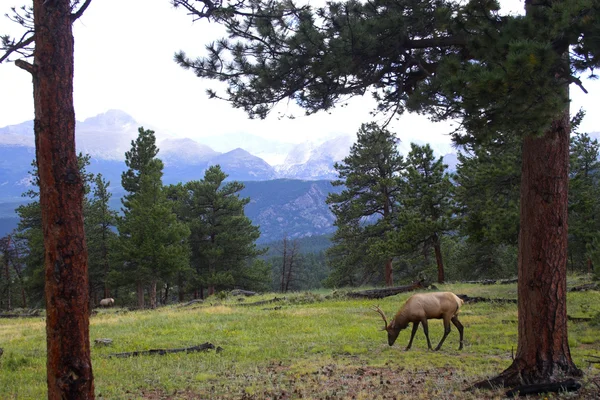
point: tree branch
(16, 47)
(81, 10)
(26, 66)
(436, 42)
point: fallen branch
(161, 352)
(596, 361)
(468, 299)
(570, 385)
(583, 288)
(492, 281)
(260, 303)
(381, 293)
(189, 303)
(578, 319)
(31, 314)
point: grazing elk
(421, 307)
(107, 302)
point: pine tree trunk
(140, 295)
(389, 273)
(153, 295)
(69, 367)
(437, 247)
(543, 353)
(165, 299)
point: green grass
(312, 346)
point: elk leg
(446, 332)
(460, 328)
(426, 330)
(412, 335)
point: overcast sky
(124, 60)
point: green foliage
(365, 209)
(152, 241)
(222, 238)
(488, 180)
(449, 59)
(584, 201)
(101, 238)
(426, 206)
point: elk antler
(380, 312)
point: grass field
(317, 345)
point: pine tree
(222, 238)
(152, 241)
(488, 178)
(449, 59)
(426, 206)
(370, 175)
(584, 200)
(101, 238)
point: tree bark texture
(153, 294)
(389, 273)
(69, 367)
(543, 353)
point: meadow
(311, 345)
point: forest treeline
(398, 218)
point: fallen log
(578, 319)
(583, 288)
(103, 342)
(161, 352)
(386, 292)
(189, 303)
(260, 303)
(492, 281)
(570, 385)
(19, 315)
(468, 299)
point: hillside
(280, 207)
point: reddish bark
(153, 295)
(69, 367)
(543, 353)
(389, 273)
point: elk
(107, 302)
(421, 307)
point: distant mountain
(106, 136)
(287, 183)
(292, 208)
(273, 152)
(185, 152)
(281, 207)
(241, 165)
(316, 162)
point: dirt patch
(332, 382)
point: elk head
(392, 330)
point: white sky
(124, 60)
